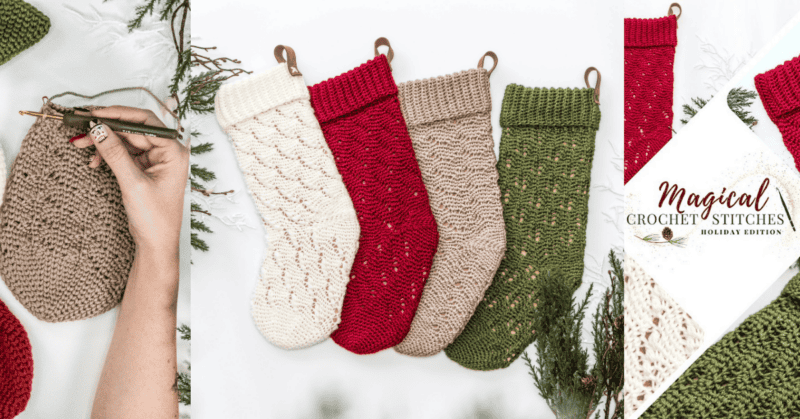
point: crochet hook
(82, 121)
(785, 208)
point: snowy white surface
(88, 50)
(236, 372)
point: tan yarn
(659, 336)
(450, 125)
(65, 247)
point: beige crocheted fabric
(659, 336)
(65, 248)
(449, 122)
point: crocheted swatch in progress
(310, 221)
(779, 90)
(752, 372)
(545, 164)
(659, 336)
(16, 365)
(364, 127)
(65, 247)
(451, 129)
(21, 26)
(649, 55)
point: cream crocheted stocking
(659, 336)
(310, 220)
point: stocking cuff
(779, 88)
(445, 97)
(353, 90)
(244, 99)
(525, 106)
(651, 32)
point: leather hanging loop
(290, 59)
(680, 10)
(596, 94)
(383, 42)
(494, 58)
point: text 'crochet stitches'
(450, 124)
(16, 365)
(365, 129)
(779, 90)
(545, 163)
(649, 56)
(65, 247)
(311, 224)
(752, 372)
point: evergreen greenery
(562, 373)
(193, 94)
(739, 101)
(184, 379)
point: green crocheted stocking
(545, 165)
(21, 26)
(752, 372)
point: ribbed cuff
(779, 88)
(244, 99)
(525, 106)
(353, 90)
(651, 32)
(445, 97)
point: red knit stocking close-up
(16, 365)
(649, 56)
(779, 90)
(363, 124)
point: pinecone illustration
(666, 233)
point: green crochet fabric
(545, 165)
(21, 26)
(752, 372)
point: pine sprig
(608, 329)
(561, 373)
(739, 102)
(183, 382)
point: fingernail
(77, 137)
(98, 131)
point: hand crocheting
(152, 173)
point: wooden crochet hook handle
(291, 59)
(383, 42)
(494, 59)
(596, 94)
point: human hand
(152, 173)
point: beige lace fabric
(659, 336)
(450, 125)
(65, 247)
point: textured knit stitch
(545, 166)
(65, 247)
(449, 119)
(310, 220)
(365, 129)
(752, 372)
(649, 55)
(659, 336)
(21, 26)
(16, 365)
(779, 90)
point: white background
(87, 50)
(236, 372)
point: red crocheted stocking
(649, 55)
(779, 90)
(16, 365)
(362, 122)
